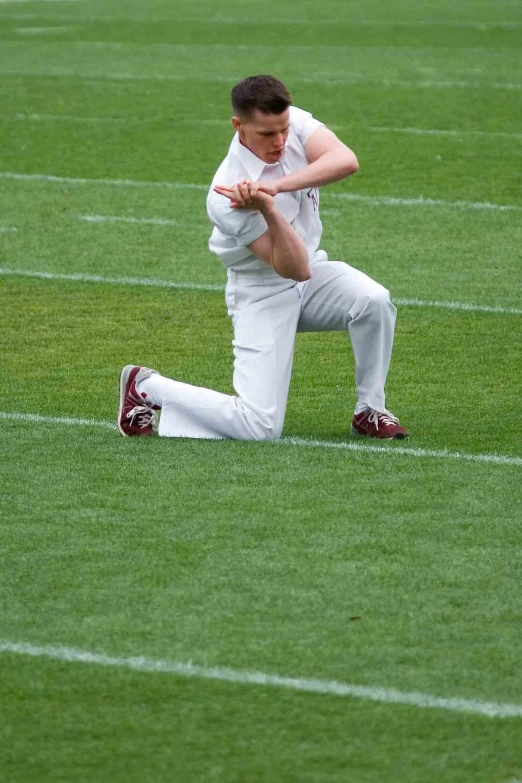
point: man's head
(261, 116)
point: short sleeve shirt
(234, 229)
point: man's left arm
(329, 160)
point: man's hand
(248, 195)
(280, 245)
(269, 187)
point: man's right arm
(280, 246)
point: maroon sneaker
(378, 425)
(136, 416)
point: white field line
(364, 448)
(374, 200)
(231, 80)
(496, 459)
(117, 219)
(151, 282)
(80, 277)
(434, 132)
(241, 677)
(475, 308)
(7, 229)
(36, 419)
(118, 182)
(420, 201)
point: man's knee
(374, 302)
(267, 431)
(379, 296)
(266, 427)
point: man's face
(264, 134)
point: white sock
(150, 389)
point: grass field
(312, 610)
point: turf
(257, 557)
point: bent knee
(266, 432)
(375, 300)
(263, 428)
(379, 297)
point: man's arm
(329, 160)
(280, 246)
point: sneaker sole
(353, 431)
(124, 377)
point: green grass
(254, 735)
(242, 555)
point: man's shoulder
(299, 117)
(230, 167)
(297, 114)
(303, 123)
(228, 173)
(217, 206)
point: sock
(150, 389)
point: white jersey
(234, 229)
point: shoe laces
(386, 419)
(142, 416)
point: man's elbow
(351, 165)
(300, 273)
(303, 274)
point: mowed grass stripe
(343, 21)
(302, 21)
(66, 118)
(152, 282)
(394, 201)
(447, 132)
(231, 80)
(495, 459)
(127, 120)
(152, 221)
(451, 132)
(241, 677)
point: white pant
(266, 312)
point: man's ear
(236, 122)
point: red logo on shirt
(313, 194)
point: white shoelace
(142, 416)
(385, 418)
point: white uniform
(267, 310)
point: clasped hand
(248, 195)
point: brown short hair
(265, 93)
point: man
(264, 205)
